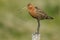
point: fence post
(36, 36)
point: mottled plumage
(37, 12)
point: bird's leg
(38, 26)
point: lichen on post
(36, 36)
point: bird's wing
(39, 11)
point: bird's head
(30, 6)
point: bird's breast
(33, 13)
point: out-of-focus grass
(17, 24)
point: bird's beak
(24, 7)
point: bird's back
(42, 14)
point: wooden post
(36, 36)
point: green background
(17, 24)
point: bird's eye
(30, 7)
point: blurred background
(17, 24)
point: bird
(37, 13)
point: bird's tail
(48, 17)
